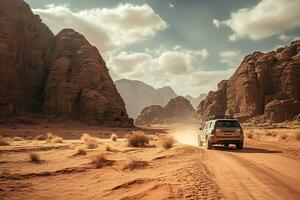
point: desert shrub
(249, 135)
(297, 136)
(40, 137)
(3, 141)
(54, 138)
(98, 159)
(167, 142)
(137, 139)
(18, 139)
(268, 134)
(283, 136)
(34, 158)
(274, 134)
(135, 164)
(80, 152)
(114, 137)
(90, 142)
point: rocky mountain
(60, 75)
(138, 95)
(178, 110)
(195, 101)
(265, 87)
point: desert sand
(267, 168)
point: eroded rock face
(177, 110)
(24, 41)
(54, 75)
(264, 84)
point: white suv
(221, 131)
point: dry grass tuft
(80, 152)
(135, 164)
(34, 158)
(283, 136)
(268, 133)
(3, 141)
(114, 137)
(18, 139)
(296, 136)
(137, 139)
(40, 137)
(99, 160)
(51, 138)
(90, 142)
(167, 142)
(249, 135)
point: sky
(189, 45)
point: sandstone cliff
(53, 75)
(265, 85)
(138, 95)
(178, 110)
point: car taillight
(213, 132)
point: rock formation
(53, 75)
(265, 85)
(138, 95)
(195, 101)
(178, 110)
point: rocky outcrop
(195, 101)
(53, 75)
(138, 95)
(266, 85)
(178, 110)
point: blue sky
(189, 45)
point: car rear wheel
(209, 144)
(240, 145)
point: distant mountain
(195, 101)
(138, 95)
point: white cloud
(231, 58)
(171, 5)
(179, 68)
(267, 18)
(109, 29)
(284, 37)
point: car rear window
(227, 124)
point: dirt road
(254, 174)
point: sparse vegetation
(99, 159)
(18, 139)
(296, 136)
(283, 136)
(90, 142)
(80, 152)
(40, 137)
(109, 148)
(3, 141)
(249, 135)
(135, 164)
(268, 133)
(114, 137)
(51, 138)
(167, 142)
(34, 158)
(137, 139)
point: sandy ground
(267, 168)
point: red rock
(57, 75)
(264, 84)
(178, 109)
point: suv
(221, 131)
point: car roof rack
(220, 117)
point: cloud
(267, 18)
(178, 67)
(231, 58)
(284, 37)
(171, 5)
(110, 29)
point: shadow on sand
(245, 150)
